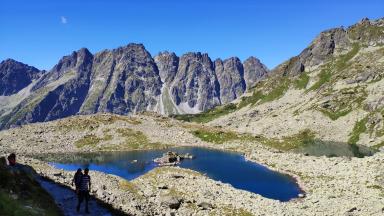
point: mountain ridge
(123, 80)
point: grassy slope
(21, 194)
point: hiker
(77, 180)
(85, 185)
(12, 160)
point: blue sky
(40, 32)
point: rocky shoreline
(333, 186)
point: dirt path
(67, 200)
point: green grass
(378, 146)
(345, 102)
(215, 136)
(302, 139)
(278, 89)
(359, 128)
(305, 137)
(341, 62)
(230, 211)
(209, 115)
(133, 140)
(337, 65)
(253, 99)
(21, 194)
(128, 186)
(335, 115)
(366, 32)
(324, 77)
(10, 206)
(83, 123)
(377, 187)
(88, 140)
(302, 81)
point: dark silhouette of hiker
(85, 185)
(12, 159)
(77, 180)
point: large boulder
(170, 201)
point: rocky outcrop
(195, 86)
(334, 41)
(167, 63)
(321, 49)
(230, 75)
(172, 158)
(254, 71)
(124, 80)
(50, 101)
(15, 76)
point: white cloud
(63, 20)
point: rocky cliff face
(254, 71)
(122, 81)
(230, 75)
(195, 86)
(334, 42)
(15, 76)
(57, 94)
(167, 63)
(334, 89)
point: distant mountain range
(129, 80)
(122, 81)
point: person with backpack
(77, 180)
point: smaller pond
(336, 149)
(227, 167)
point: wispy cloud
(63, 20)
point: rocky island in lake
(172, 158)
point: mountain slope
(123, 81)
(333, 88)
(15, 76)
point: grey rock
(205, 205)
(170, 201)
(124, 80)
(320, 50)
(167, 63)
(127, 80)
(15, 76)
(230, 75)
(64, 100)
(254, 71)
(195, 85)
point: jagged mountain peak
(167, 63)
(128, 79)
(9, 62)
(73, 60)
(254, 71)
(15, 76)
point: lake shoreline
(352, 183)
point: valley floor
(333, 186)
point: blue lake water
(224, 166)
